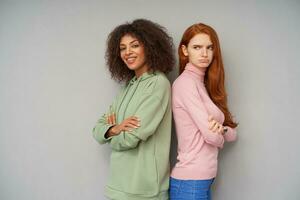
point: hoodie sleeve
(100, 129)
(150, 111)
(188, 97)
(102, 126)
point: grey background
(54, 86)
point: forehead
(201, 39)
(126, 39)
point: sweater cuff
(230, 135)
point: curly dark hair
(158, 46)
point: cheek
(122, 56)
(196, 56)
(192, 58)
(192, 55)
(142, 56)
(211, 56)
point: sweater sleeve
(230, 135)
(150, 111)
(190, 99)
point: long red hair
(214, 77)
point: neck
(139, 72)
(202, 69)
(197, 71)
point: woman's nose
(128, 51)
(204, 52)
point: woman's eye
(210, 48)
(122, 49)
(135, 46)
(196, 47)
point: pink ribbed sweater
(197, 146)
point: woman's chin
(131, 67)
(202, 65)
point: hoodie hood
(143, 77)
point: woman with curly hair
(202, 119)
(138, 123)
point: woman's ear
(184, 50)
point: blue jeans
(190, 189)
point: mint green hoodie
(139, 162)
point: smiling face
(132, 53)
(199, 50)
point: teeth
(130, 59)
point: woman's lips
(130, 60)
(203, 61)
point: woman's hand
(215, 126)
(126, 125)
(111, 119)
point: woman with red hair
(202, 119)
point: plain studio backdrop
(54, 86)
